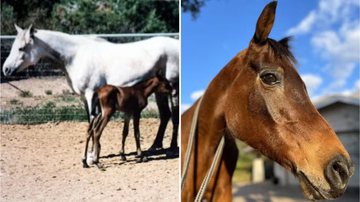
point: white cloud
(341, 51)
(305, 25)
(196, 94)
(357, 84)
(312, 82)
(341, 45)
(347, 92)
(334, 28)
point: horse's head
(22, 53)
(277, 117)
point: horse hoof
(85, 165)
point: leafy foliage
(192, 6)
(52, 113)
(91, 16)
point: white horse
(90, 63)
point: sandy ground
(37, 87)
(43, 163)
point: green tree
(24, 13)
(192, 6)
(91, 16)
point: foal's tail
(95, 108)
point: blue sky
(326, 42)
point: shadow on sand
(161, 154)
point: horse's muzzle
(7, 71)
(337, 173)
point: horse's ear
(31, 30)
(265, 23)
(29, 34)
(18, 29)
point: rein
(214, 163)
(17, 88)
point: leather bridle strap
(190, 143)
(214, 163)
(210, 173)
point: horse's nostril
(338, 172)
(341, 169)
(7, 71)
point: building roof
(325, 101)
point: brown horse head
(161, 84)
(268, 107)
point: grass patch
(48, 92)
(243, 168)
(68, 97)
(51, 113)
(15, 102)
(25, 93)
(67, 92)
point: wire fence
(40, 94)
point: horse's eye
(21, 49)
(269, 78)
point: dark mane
(281, 49)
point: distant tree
(24, 13)
(192, 6)
(116, 16)
(91, 16)
(7, 19)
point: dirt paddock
(43, 163)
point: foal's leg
(124, 135)
(88, 134)
(93, 125)
(165, 114)
(136, 122)
(97, 146)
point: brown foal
(131, 101)
(259, 98)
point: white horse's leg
(175, 120)
(88, 106)
(89, 97)
(165, 114)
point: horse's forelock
(282, 49)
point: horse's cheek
(256, 105)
